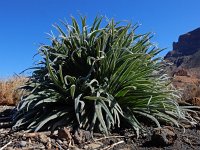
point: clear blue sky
(23, 23)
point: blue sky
(23, 23)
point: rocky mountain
(185, 65)
(186, 52)
(187, 44)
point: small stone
(95, 145)
(5, 141)
(24, 138)
(78, 137)
(41, 146)
(29, 140)
(49, 145)
(59, 142)
(64, 133)
(164, 136)
(53, 140)
(64, 147)
(86, 147)
(65, 142)
(43, 138)
(31, 147)
(9, 148)
(31, 135)
(22, 143)
(55, 132)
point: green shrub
(95, 78)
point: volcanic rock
(188, 44)
(186, 52)
(164, 136)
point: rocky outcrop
(185, 66)
(187, 44)
(186, 52)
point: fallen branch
(6, 145)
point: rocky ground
(189, 86)
(155, 139)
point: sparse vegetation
(9, 92)
(97, 78)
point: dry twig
(111, 146)
(108, 137)
(6, 145)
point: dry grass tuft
(9, 92)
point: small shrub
(9, 92)
(95, 78)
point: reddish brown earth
(189, 85)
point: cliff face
(186, 52)
(187, 44)
(185, 68)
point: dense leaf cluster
(97, 78)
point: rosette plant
(98, 78)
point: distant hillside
(185, 68)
